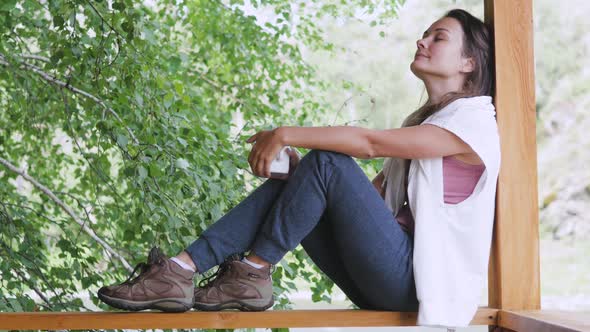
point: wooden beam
(218, 319)
(514, 260)
(545, 320)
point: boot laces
(154, 257)
(219, 273)
(144, 268)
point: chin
(416, 70)
(424, 71)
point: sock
(254, 265)
(182, 264)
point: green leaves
(16, 304)
(7, 5)
(122, 140)
(182, 163)
(143, 143)
(58, 21)
(119, 5)
(142, 173)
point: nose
(420, 43)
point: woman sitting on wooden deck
(416, 238)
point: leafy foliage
(128, 113)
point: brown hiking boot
(235, 285)
(161, 284)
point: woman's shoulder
(479, 105)
(474, 110)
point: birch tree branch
(39, 293)
(34, 57)
(68, 210)
(35, 267)
(53, 80)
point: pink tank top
(459, 181)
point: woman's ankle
(184, 257)
(252, 257)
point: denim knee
(320, 156)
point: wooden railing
(218, 319)
(534, 321)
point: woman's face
(439, 52)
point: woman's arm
(350, 140)
(417, 142)
(423, 141)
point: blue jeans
(329, 206)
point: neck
(437, 88)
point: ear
(467, 65)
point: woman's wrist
(281, 133)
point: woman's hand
(294, 158)
(267, 144)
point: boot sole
(245, 305)
(166, 304)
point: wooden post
(514, 260)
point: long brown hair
(478, 44)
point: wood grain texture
(545, 320)
(219, 319)
(513, 275)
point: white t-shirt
(451, 241)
